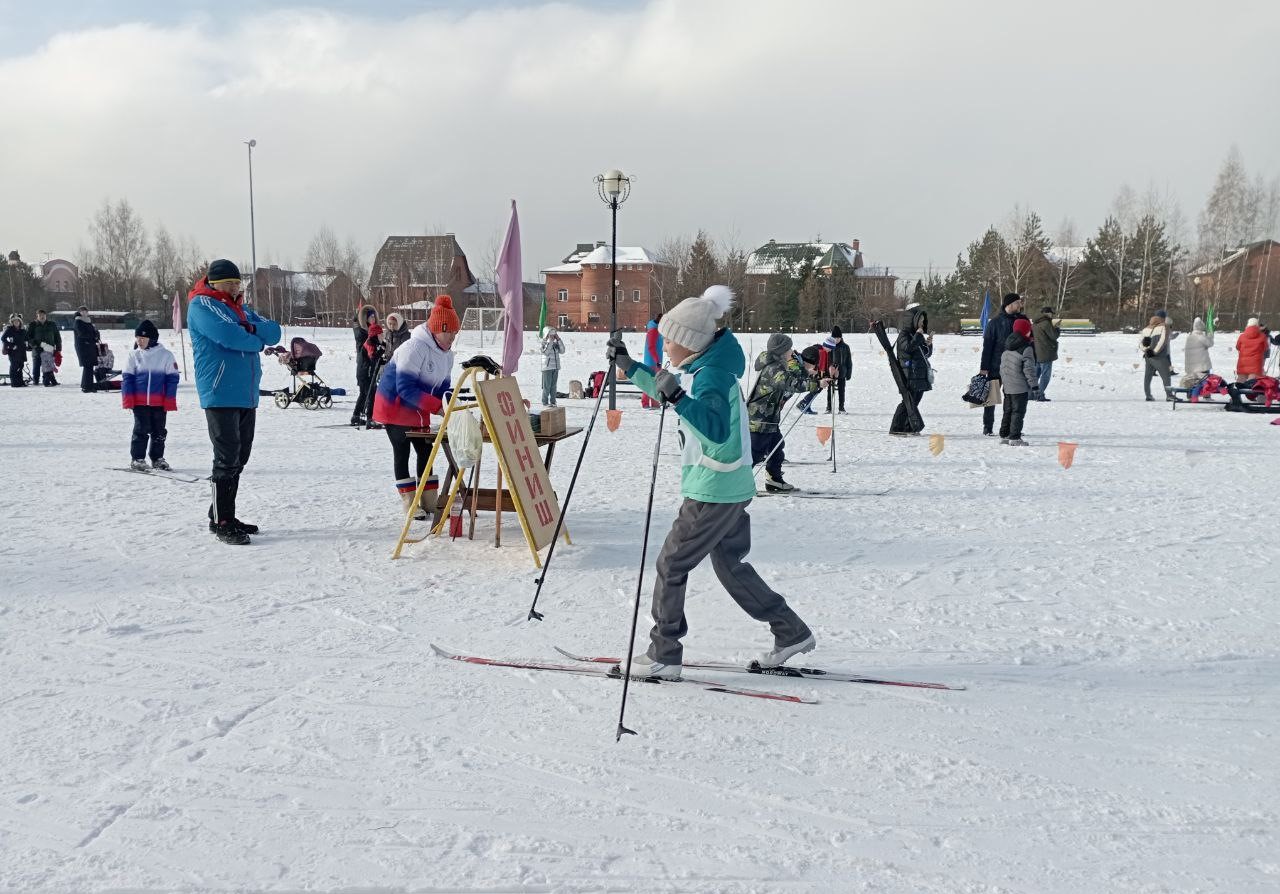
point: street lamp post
(614, 187)
(253, 236)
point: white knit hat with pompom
(692, 323)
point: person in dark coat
(42, 331)
(365, 316)
(15, 348)
(842, 359)
(397, 333)
(1045, 335)
(913, 349)
(86, 349)
(993, 338)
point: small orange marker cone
(613, 418)
(824, 434)
(1066, 453)
(936, 444)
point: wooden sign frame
(520, 462)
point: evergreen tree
(984, 267)
(701, 268)
(1109, 276)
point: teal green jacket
(716, 459)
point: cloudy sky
(911, 125)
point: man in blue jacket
(993, 339)
(227, 338)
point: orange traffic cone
(824, 434)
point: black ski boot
(229, 533)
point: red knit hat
(443, 318)
(1023, 328)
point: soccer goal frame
(483, 318)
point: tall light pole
(614, 187)
(253, 236)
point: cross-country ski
(613, 672)
(157, 473)
(756, 669)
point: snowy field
(182, 715)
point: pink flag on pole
(177, 313)
(511, 288)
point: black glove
(617, 352)
(249, 327)
(668, 387)
(1035, 394)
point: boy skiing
(150, 390)
(781, 374)
(715, 480)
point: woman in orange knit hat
(412, 387)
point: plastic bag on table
(465, 438)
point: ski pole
(644, 550)
(535, 615)
(831, 389)
(768, 456)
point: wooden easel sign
(518, 457)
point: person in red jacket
(1251, 350)
(414, 386)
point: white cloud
(910, 125)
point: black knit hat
(810, 355)
(1010, 298)
(222, 270)
(836, 333)
(148, 329)
(1046, 310)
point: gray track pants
(722, 531)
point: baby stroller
(300, 358)
(103, 373)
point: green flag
(1208, 320)
(542, 316)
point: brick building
(297, 296)
(418, 268)
(61, 281)
(774, 262)
(1244, 283)
(578, 288)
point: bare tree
(664, 287)
(1225, 219)
(1024, 235)
(120, 249)
(166, 261)
(733, 254)
(324, 250)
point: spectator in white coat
(1196, 363)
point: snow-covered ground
(183, 715)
